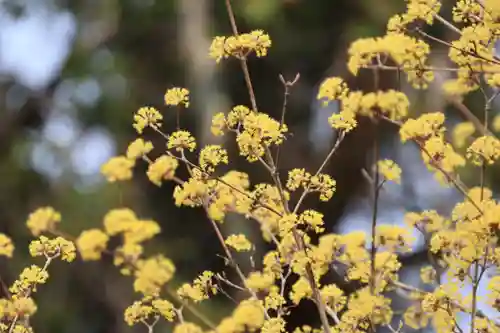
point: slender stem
(178, 120)
(477, 274)
(287, 85)
(193, 310)
(376, 191)
(235, 265)
(447, 24)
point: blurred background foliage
(72, 73)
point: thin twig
(287, 85)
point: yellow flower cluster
(148, 309)
(260, 281)
(163, 168)
(211, 156)
(390, 170)
(181, 140)
(42, 220)
(363, 310)
(428, 132)
(147, 117)
(393, 237)
(332, 88)
(240, 46)
(485, 149)
(186, 327)
(416, 10)
(428, 274)
(177, 96)
(152, 274)
(391, 104)
(201, 288)
(239, 242)
(409, 54)
(139, 148)
(423, 128)
(428, 221)
(255, 131)
(124, 222)
(6, 246)
(118, 168)
(248, 316)
(462, 132)
(324, 184)
(53, 248)
(92, 243)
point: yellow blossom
(186, 327)
(137, 312)
(300, 289)
(274, 325)
(52, 248)
(428, 274)
(162, 168)
(177, 96)
(211, 156)
(331, 89)
(164, 308)
(484, 149)
(118, 168)
(324, 184)
(297, 178)
(249, 314)
(259, 281)
(24, 306)
(139, 148)
(144, 310)
(181, 140)
(462, 132)
(239, 242)
(126, 256)
(152, 274)
(218, 124)
(345, 120)
(390, 170)
(147, 116)
(91, 243)
(29, 278)
(394, 237)
(117, 220)
(415, 318)
(6, 246)
(200, 289)
(312, 219)
(496, 123)
(240, 46)
(43, 219)
(334, 297)
(427, 125)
